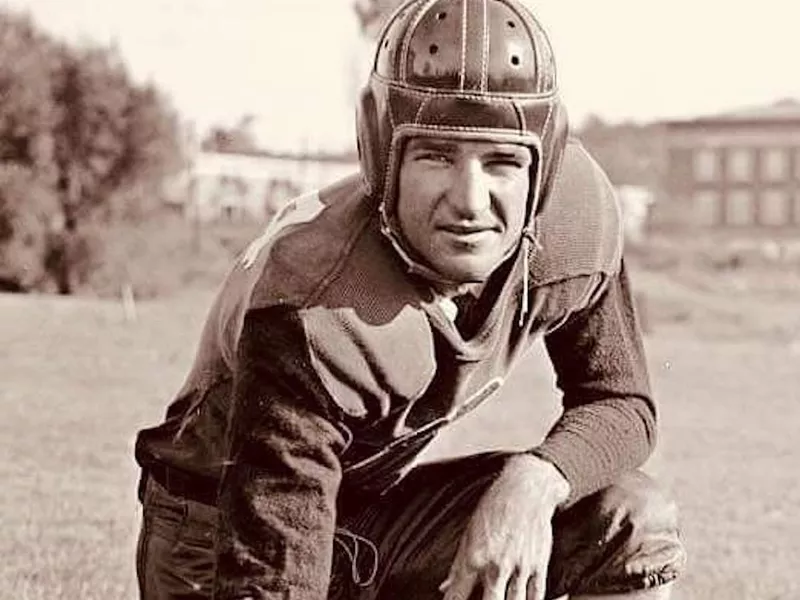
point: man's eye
(435, 157)
(509, 163)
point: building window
(774, 164)
(774, 207)
(740, 164)
(705, 164)
(797, 208)
(706, 207)
(796, 163)
(740, 208)
(227, 212)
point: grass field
(78, 380)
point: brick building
(735, 171)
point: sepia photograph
(399, 300)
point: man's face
(461, 204)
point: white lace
(353, 554)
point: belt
(184, 485)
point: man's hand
(506, 546)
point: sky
(293, 64)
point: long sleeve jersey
(325, 368)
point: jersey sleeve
(608, 424)
(279, 487)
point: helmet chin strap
(416, 267)
(528, 239)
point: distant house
(636, 202)
(735, 171)
(254, 185)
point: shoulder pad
(580, 230)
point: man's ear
(366, 138)
(550, 170)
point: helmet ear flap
(367, 140)
(556, 151)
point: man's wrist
(553, 483)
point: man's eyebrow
(509, 153)
(432, 144)
(505, 152)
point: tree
(239, 138)
(151, 153)
(112, 138)
(372, 14)
(74, 119)
(28, 206)
(92, 93)
(630, 153)
(27, 110)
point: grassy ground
(78, 380)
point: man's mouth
(467, 230)
(469, 236)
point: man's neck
(451, 291)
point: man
(374, 313)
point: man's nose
(470, 196)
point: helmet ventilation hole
(433, 49)
(386, 43)
(511, 24)
(441, 16)
(515, 60)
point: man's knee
(621, 539)
(637, 508)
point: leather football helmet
(463, 69)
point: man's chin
(465, 273)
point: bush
(28, 215)
(163, 255)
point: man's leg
(175, 554)
(604, 544)
(622, 540)
(415, 528)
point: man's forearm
(277, 507)
(278, 491)
(592, 444)
(609, 419)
